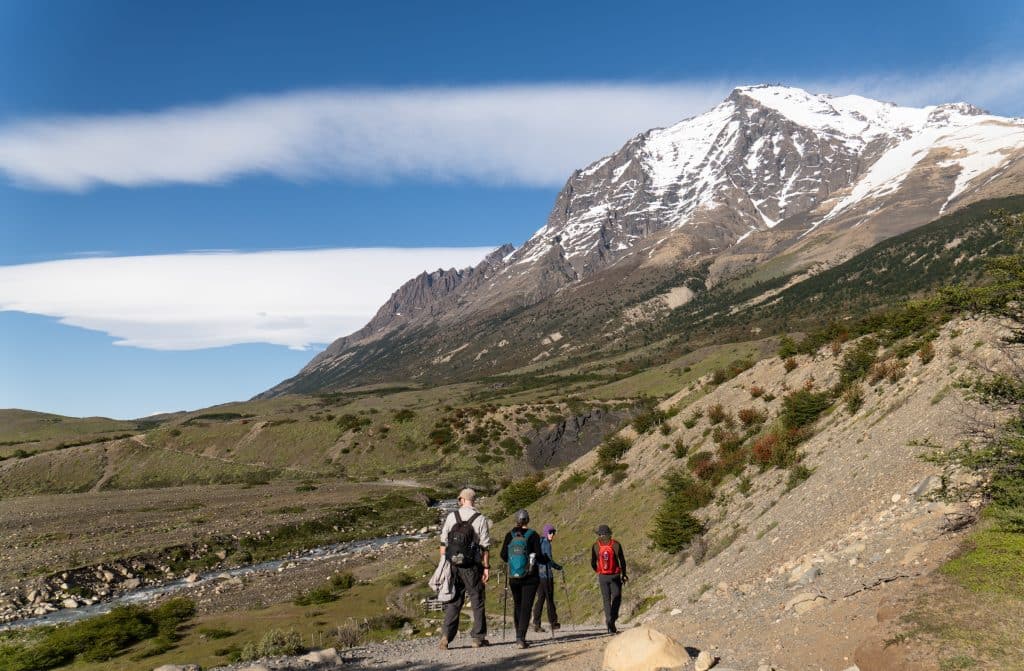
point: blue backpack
(518, 554)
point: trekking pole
(568, 604)
(504, 607)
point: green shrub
(315, 596)
(857, 361)
(275, 643)
(610, 451)
(99, 638)
(343, 581)
(803, 407)
(520, 494)
(674, 525)
(646, 421)
(572, 482)
(403, 415)
(717, 414)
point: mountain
(774, 180)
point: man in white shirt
(471, 568)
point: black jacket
(532, 547)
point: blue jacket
(547, 570)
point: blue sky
(153, 130)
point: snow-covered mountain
(768, 154)
(770, 172)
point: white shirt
(481, 525)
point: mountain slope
(772, 177)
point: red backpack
(607, 558)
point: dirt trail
(575, 648)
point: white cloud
(533, 134)
(530, 134)
(195, 301)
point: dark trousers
(611, 594)
(545, 593)
(467, 581)
(523, 593)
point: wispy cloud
(195, 301)
(532, 135)
(512, 134)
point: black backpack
(461, 549)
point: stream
(150, 592)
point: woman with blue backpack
(521, 552)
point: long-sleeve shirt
(532, 547)
(547, 570)
(620, 557)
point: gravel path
(574, 648)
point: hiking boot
(522, 643)
(443, 643)
(612, 629)
(539, 629)
(556, 627)
(480, 642)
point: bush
(572, 482)
(350, 422)
(99, 638)
(927, 352)
(853, 398)
(680, 449)
(674, 525)
(275, 643)
(717, 413)
(520, 494)
(610, 451)
(727, 440)
(404, 415)
(315, 596)
(765, 447)
(857, 362)
(750, 417)
(343, 581)
(789, 364)
(787, 347)
(803, 407)
(702, 464)
(646, 421)
(756, 391)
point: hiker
(608, 561)
(521, 552)
(546, 588)
(465, 543)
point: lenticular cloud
(530, 135)
(197, 301)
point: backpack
(461, 549)
(607, 558)
(519, 565)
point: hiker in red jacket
(608, 561)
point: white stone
(326, 656)
(69, 603)
(705, 660)
(676, 611)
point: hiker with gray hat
(546, 588)
(465, 543)
(521, 552)
(609, 562)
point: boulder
(132, 583)
(326, 656)
(69, 603)
(804, 602)
(705, 660)
(644, 648)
